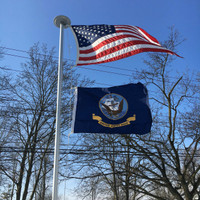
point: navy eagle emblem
(113, 106)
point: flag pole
(60, 22)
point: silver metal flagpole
(61, 22)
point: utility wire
(86, 68)
(103, 65)
(86, 151)
(23, 51)
(92, 69)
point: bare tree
(102, 163)
(160, 165)
(168, 155)
(5, 134)
(31, 110)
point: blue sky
(25, 22)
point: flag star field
(86, 35)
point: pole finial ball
(61, 19)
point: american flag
(105, 43)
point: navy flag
(121, 109)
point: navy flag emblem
(120, 109)
(113, 106)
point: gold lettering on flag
(127, 122)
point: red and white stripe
(127, 41)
